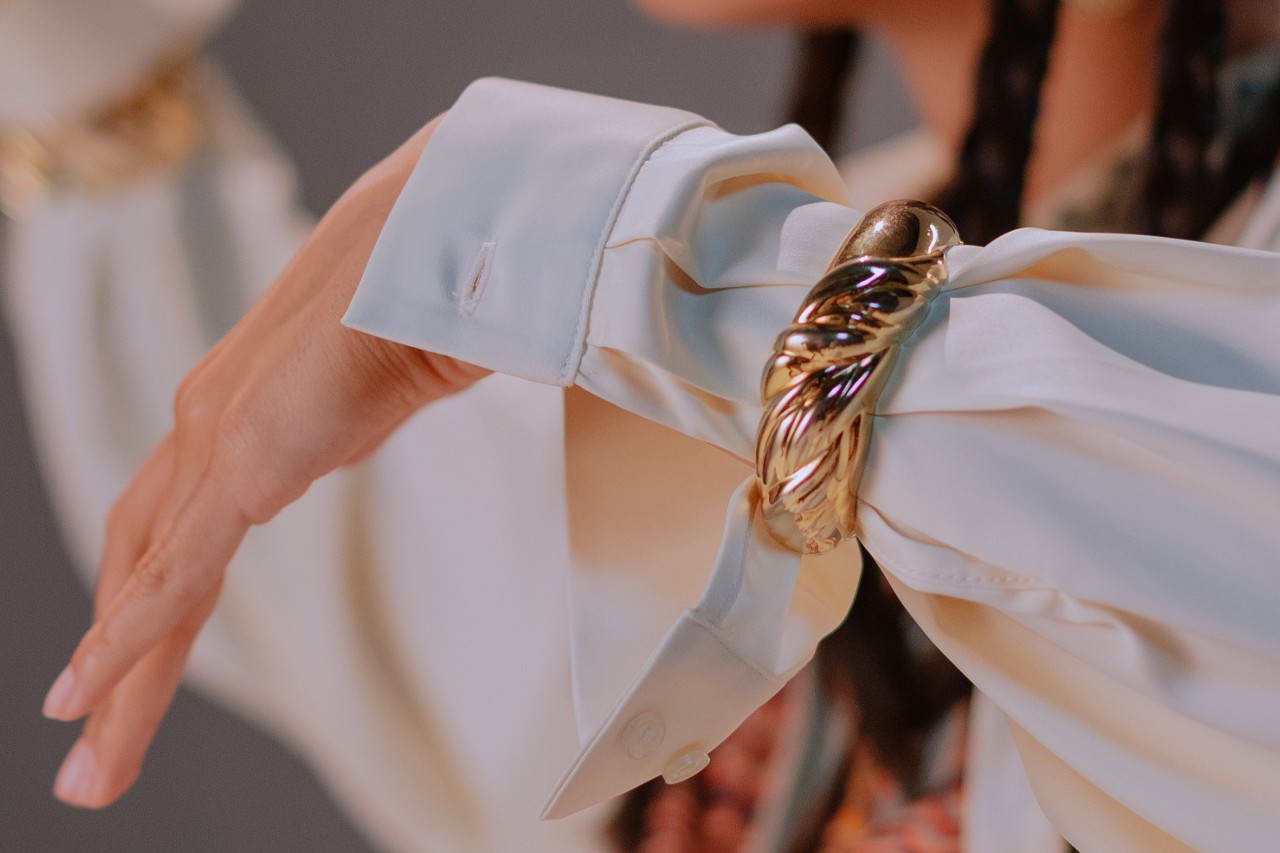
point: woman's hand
(287, 396)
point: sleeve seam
(715, 633)
(569, 370)
(957, 581)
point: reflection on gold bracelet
(821, 387)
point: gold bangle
(821, 387)
(156, 125)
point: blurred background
(340, 84)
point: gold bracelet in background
(154, 126)
(821, 386)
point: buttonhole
(473, 289)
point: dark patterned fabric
(714, 811)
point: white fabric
(59, 59)
(1072, 480)
(999, 812)
(526, 315)
(352, 626)
(415, 658)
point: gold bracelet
(156, 125)
(821, 387)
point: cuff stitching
(472, 291)
(569, 369)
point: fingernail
(75, 778)
(59, 696)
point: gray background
(340, 83)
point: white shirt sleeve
(1073, 477)
(566, 236)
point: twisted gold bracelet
(821, 387)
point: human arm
(1137, 302)
(751, 157)
(148, 210)
(255, 423)
(113, 290)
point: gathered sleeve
(560, 230)
(649, 257)
(1073, 477)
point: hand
(287, 396)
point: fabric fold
(1072, 476)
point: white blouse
(526, 573)
(1073, 479)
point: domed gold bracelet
(829, 366)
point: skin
(287, 396)
(290, 394)
(1095, 51)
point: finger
(106, 759)
(131, 523)
(178, 570)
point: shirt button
(685, 765)
(643, 734)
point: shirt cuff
(637, 251)
(491, 252)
